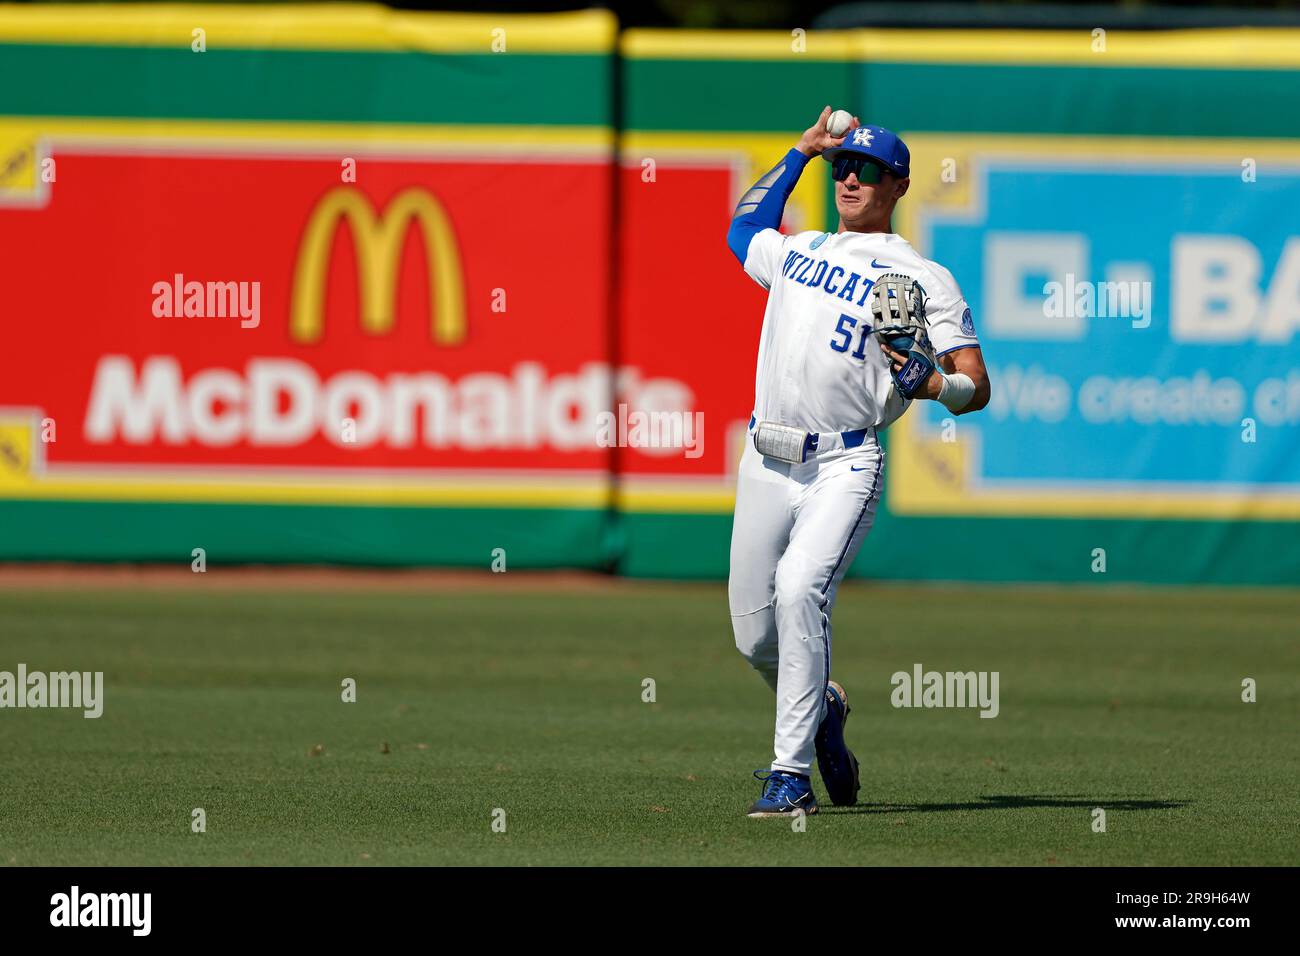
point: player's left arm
(959, 395)
(957, 377)
(950, 367)
(968, 362)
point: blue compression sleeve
(761, 207)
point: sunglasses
(866, 170)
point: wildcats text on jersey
(832, 280)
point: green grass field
(531, 702)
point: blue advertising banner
(1138, 305)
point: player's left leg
(835, 510)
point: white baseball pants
(797, 529)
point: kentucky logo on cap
(877, 142)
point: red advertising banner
(237, 310)
(254, 317)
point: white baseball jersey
(798, 527)
(819, 368)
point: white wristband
(956, 391)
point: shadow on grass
(1024, 802)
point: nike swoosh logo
(856, 468)
(878, 265)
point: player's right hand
(816, 139)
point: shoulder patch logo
(820, 239)
(967, 323)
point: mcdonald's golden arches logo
(378, 239)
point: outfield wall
(567, 257)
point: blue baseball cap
(878, 143)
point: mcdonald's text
(279, 402)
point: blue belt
(852, 439)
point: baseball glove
(898, 318)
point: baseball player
(858, 325)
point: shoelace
(774, 782)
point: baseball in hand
(839, 122)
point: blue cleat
(783, 794)
(834, 759)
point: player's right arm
(753, 237)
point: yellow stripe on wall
(1244, 47)
(485, 492)
(739, 44)
(373, 27)
(360, 26)
(256, 135)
